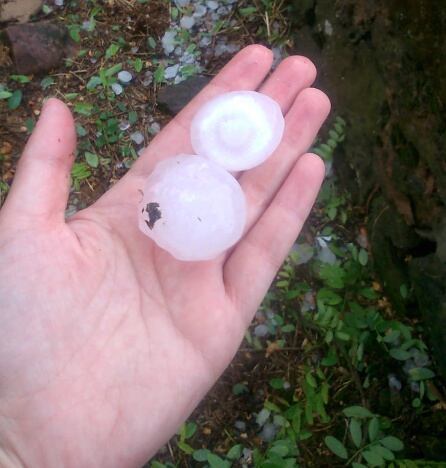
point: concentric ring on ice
(192, 208)
(238, 130)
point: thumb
(40, 189)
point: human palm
(107, 342)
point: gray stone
(173, 98)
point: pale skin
(107, 343)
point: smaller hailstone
(154, 128)
(171, 72)
(212, 5)
(137, 137)
(117, 88)
(205, 41)
(192, 208)
(124, 125)
(269, 432)
(125, 76)
(59, 2)
(187, 22)
(261, 330)
(200, 11)
(240, 425)
(168, 41)
(238, 130)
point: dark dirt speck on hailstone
(153, 210)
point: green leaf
(276, 383)
(358, 465)
(404, 291)
(356, 431)
(201, 455)
(392, 443)
(92, 159)
(421, 373)
(186, 448)
(190, 430)
(235, 452)
(157, 464)
(216, 462)
(248, 11)
(328, 297)
(357, 412)
(400, 354)
(47, 82)
(138, 65)
(93, 82)
(20, 78)
(372, 457)
(112, 50)
(113, 70)
(74, 32)
(83, 108)
(373, 429)
(15, 99)
(336, 446)
(239, 389)
(159, 74)
(363, 257)
(311, 381)
(384, 452)
(5, 94)
(151, 42)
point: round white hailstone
(238, 130)
(192, 208)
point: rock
(39, 47)
(19, 10)
(175, 97)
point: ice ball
(238, 130)
(192, 208)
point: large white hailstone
(192, 208)
(238, 130)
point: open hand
(107, 343)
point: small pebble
(59, 2)
(137, 137)
(261, 330)
(134, 50)
(117, 88)
(268, 433)
(187, 22)
(125, 77)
